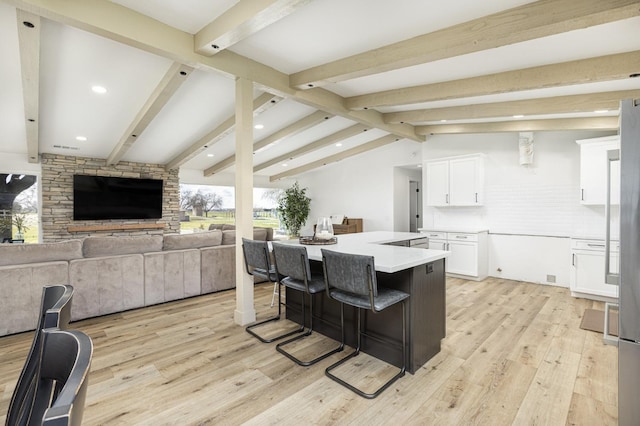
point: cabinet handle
(447, 199)
(476, 197)
(582, 194)
(573, 259)
(464, 237)
(609, 277)
(433, 235)
(596, 245)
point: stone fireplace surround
(57, 198)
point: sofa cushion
(228, 237)
(260, 234)
(215, 226)
(19, 254)
(192, 241)
(114, 246)
(227, 227)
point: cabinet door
(463, 182)
(593, 173)
(587, 269)
(437, 183)
(463, 259)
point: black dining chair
(257, 262)
(292, 263)
(351, 280)
(55, 312)
(62, 378)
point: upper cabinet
(455, 181)
(593, 170)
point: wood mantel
(115, 227)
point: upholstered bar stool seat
(292, 262)
(258, 263)
(351, 280)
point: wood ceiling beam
(260, 104)
(527, 22)
(377, 143)
(242, 20)
(592, 70)
(313, 146)
(29, 45)
(590, 123)
(115, 22)
(168, 86)
(556, 105)
(291, 130)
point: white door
(463, 259)
(437, 175)
(463, 187)
(588, 273)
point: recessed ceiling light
(259, 126)
(81, 138)
(601, 111)
(518, 116)
(443, 121)
(419, 165)
(210, 155)
(284, 164)
(338, 144)
(99, 89)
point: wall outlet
(551, 278)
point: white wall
(530, 211)
(361, 186)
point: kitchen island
(416, 271)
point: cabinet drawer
(459, 236)
(594, 245)
(434, 235)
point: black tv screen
(101, 197)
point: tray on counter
(311, 241)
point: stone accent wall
(57, 196)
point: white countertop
(454, 229)
(387, 258)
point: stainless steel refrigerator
(629, 279)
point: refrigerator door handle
(608, 338)
(609, 277)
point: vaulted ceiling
(332, 78)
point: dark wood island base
(426, 312)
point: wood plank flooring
(514, 354)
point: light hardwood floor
(514, 354)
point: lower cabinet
(468, 257)
(587, 270)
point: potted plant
(293, 208)
(19, 221)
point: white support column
(245, 311)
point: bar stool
(258, 264)
(351, 279)
(292, 262)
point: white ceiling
(78, 50)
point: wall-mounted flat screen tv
(102, 197)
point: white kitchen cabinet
(468, 259)
(587, 270)
(593, 170)
(455, 181)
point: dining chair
(55, 311)
(257, 262)
(351, 280)
(292, 263)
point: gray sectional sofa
(114, 274)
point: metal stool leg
(250, 328)
(357, 351)
(279, 346)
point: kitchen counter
(469, 230)
(388, 258)
(416, 271)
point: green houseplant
(19, 221)
(293, 208)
